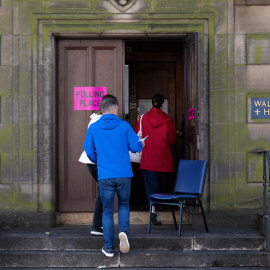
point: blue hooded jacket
(107, 144)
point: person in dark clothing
(92, 167)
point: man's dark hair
(157, 100)
(110, 96)
(107, 103)
(99, 112)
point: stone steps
(161, 268)
(168, 244)
(74, 247)
(132, 268)
(64, 258)
(128, 268)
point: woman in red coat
(157, 160)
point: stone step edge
(93, 243)
(140, 268)
(136, 218)
(186, 252)
(70, 259)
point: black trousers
(155, 182)
(97, 218)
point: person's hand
(179, 133)
(138, 117)
(143, 144)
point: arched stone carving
(122, 5)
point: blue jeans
(108, 188)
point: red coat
(157, 153)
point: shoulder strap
(141, 123)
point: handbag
(136, 157)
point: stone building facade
(234, 64)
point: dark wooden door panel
(81, 63)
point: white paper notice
(143, 139)
(145, 105)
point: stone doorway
(156, 62)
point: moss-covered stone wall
(235, 65)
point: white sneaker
(124, 244)
(97, 231)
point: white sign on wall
(145, 105)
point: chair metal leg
(149, 221)
(204, 219)
(180, 219)
(175, 223)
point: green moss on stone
(6, 137)
(258, 54)
(12, 199)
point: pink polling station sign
(191, 113)
(88, 98)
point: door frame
(192, 87)
(46, 111)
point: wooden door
(81, 63)
(192, 97)
(149, 79)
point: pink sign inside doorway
(191, 113)
(88, 98)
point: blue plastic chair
(189, 186)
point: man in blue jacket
(107, 143)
